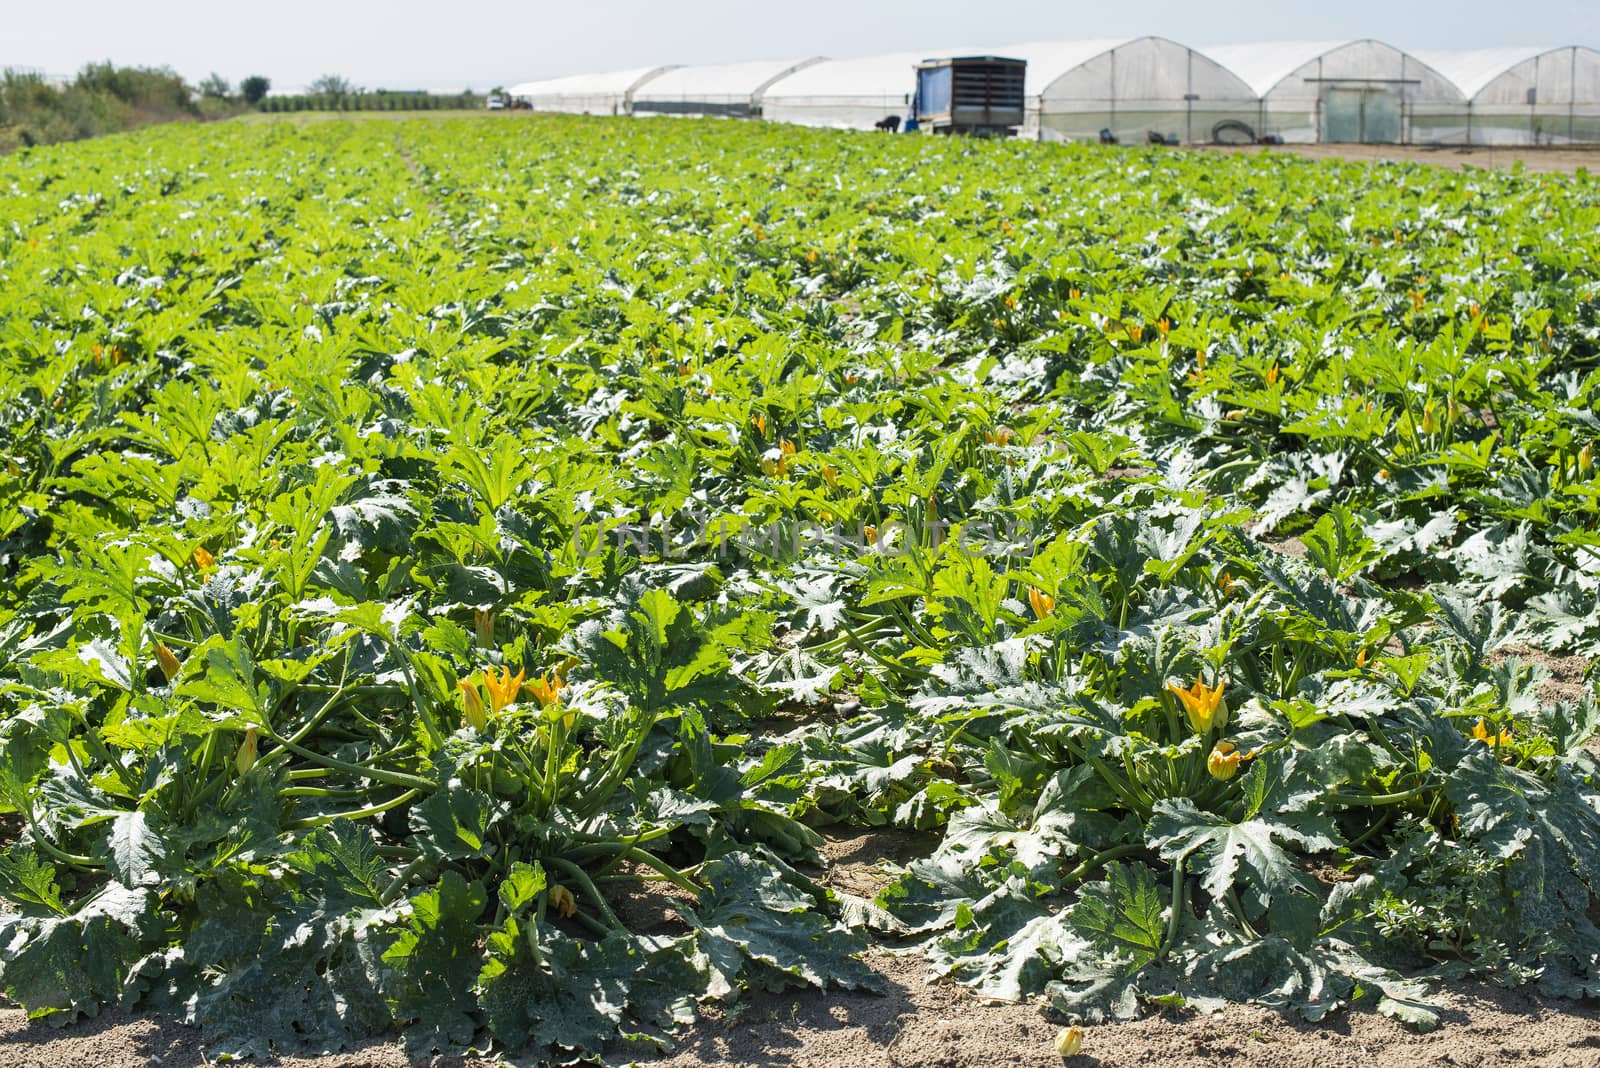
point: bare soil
(1564, 159)
(1568, 679)
(920, 1021)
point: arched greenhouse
(851, 93)
(1526, 96)
(1346, 91)
(732, 89)
(1131, 86)
(609, 93)
(1140, 88)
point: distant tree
(254, 88)
(216, 87)
(333, 85)
(152, 88)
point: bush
(159, 89)
(102, 99)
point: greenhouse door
(1380, 117)
(1361, 116)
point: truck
(976, 96)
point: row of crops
(423, 542)
(402, 100)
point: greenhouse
(1525, 96)
(610, 93)
(1133, 87)
(1346, 91)
(1139, 89)
(852, 93)
(1075, 89)
(733, 89)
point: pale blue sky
(438, 44)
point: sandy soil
(1568, 676)
(919, 1021)
(1564, 159)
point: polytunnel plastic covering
(1526, 95)
(1075, 88)
(608, 93)
(850, 92)
(1364, 91)
(719, 89)
(1130, 86)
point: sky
(441, 45)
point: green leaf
(454, 823)
(1123, 915)
(136, 848)
(229, 680)
(753, 912)
(521, 887)
(1244, 853)
(341, 860)
(438, 959)
(29, 881)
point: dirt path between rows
(1564, 159)
(919, 1021)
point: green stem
(1366, 835)
(892, 665)
(398, 884)
(1094, 863)
(554, 747)
(1246, 928)
(394, 778)
(358, 814)
(1177, 908)
(50, 847)
(667, 871)
(1375, 799)
(579, 876)
(321, 791)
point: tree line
(103, 98)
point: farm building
(1131, 86)
(1525, 96)
(1136, 87)
(1352, 91)
(1074, 89)
(609, 93)
(852, 93)
(732, 89)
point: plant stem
(1094, 863)
(1178, 898)
(394, 778)
(358, 814)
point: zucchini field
(423, 542)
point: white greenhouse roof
(892, 74)
(722, 80)
(616, 82)
(1472, 70)
(885, 75)
(1155, 67)
(1262, 66)
(1049, 60)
